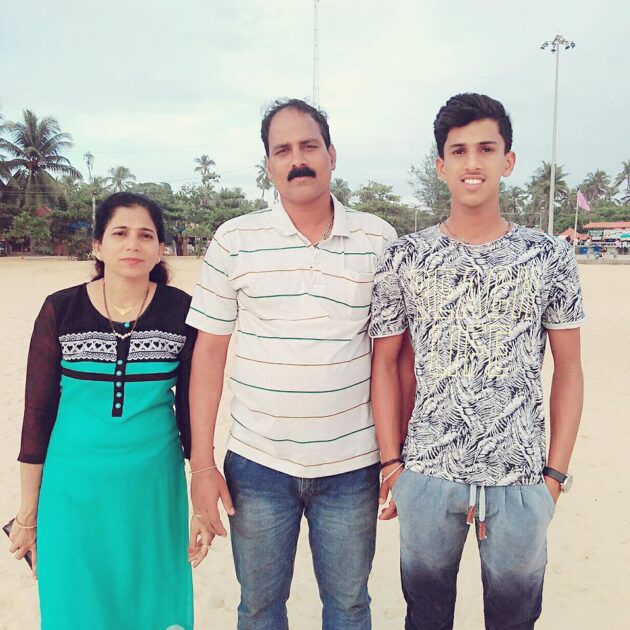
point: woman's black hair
(104, 213)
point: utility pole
(316, 54)
(89, 161)
(556, 45)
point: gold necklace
(124, 311)
(109, 317)
(328, 229)
(461, 240)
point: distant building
(569, 235)
(608, 231)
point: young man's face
(473, 164)
(296, 146)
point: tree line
(34, 173)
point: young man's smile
(474, 162)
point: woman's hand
(23, 540)
(200, 541)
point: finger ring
(207, 547)
(197, 515)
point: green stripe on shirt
(291, 391)
(339, 437)
(192, 308)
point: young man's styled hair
(462, 109)
(294, 103)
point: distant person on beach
(295, 282)
(479, 297)
(104, 510)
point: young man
(296, 281)
(479, 296)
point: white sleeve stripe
(565, 325)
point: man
(296, 281)
(479, 296)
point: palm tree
(120, 178)
(207, 176)
(262, 180)
(596, 187)
(340, 188)
(511, 199)
(35, 146)
(538, 189)
(624, 176)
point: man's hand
(386, 486)
(205, 490)
(554, 488)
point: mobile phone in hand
(7, 531)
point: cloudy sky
(151, 84)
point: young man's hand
(390, 511)
(554, 488)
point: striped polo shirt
(301, 372)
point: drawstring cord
(470, 515)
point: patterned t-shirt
(477, 315)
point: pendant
(124, 311)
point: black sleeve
(182, 406)
(41, 399)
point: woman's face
(130, 246)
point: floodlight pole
(556, 45)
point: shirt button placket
(119, 382)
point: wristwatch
(565, 481)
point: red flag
(582, 203)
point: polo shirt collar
(284, 225)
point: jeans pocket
(228, 456)
(551, 504)
(394, 489)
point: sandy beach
(587, 581)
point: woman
(110, 519)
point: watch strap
(554, 474)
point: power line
(163, 150)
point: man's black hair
(294, 103)
(462, 109)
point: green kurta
(113, 511)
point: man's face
(299, 164)
(473, 164)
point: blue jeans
(341, 511)
(432, 514)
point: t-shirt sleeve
(564, 307)
(214, 306)
(43, 375)
(388, 313)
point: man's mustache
(302, 171)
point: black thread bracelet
(397, 460)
